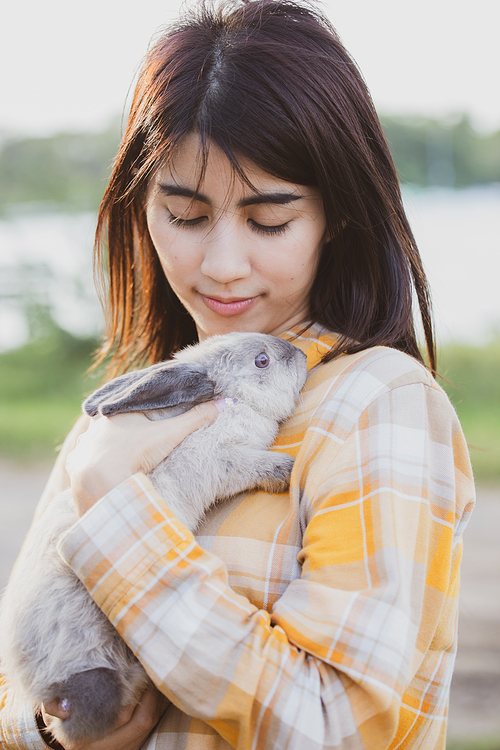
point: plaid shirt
(324, 617)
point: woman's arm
(330, 666)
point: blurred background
(432, 68)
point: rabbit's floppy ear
(157, 387)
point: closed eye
(185, 223)
(268, 229)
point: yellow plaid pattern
(321, 618)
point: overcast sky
(68, 65)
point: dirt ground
(475, 696)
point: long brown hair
(270, 81)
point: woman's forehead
(212, 174)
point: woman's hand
(114, 448)
(132, 729)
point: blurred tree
(407, 141)
(71, 169)
(438, 153)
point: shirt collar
(315, 341)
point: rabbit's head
(264, 371)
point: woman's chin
(205, 331)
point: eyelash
(259, 228)
(269, 230)
(184, 223)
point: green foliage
(470, 743)
(472, 381)
(432, 152)
(68, 169)
(41, 389)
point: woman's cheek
(179, 259)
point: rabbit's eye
(262, 360)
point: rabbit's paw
(275, 470)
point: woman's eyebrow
(276, 198)
(183, 192)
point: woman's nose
(225, 256)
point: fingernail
(65, 705)
(223, 403)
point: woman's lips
(230, 306)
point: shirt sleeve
(329, 666)
(18, 727)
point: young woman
(254, 191)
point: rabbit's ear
(157, 387)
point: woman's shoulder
(374, 369)
(345, 388)
(371, 368)
(347, 385)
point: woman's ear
(160, 386)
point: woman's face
(238, 259)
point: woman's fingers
(148, 712)
(57, 708)
(169, 433)
(133, 728)
(114, 448)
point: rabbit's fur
(55, 643)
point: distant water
(47, 257)
(458, 235)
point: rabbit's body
(227, 457)
(55, 643)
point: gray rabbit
(55, 643)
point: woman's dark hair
(269, 81)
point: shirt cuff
(18, 725)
